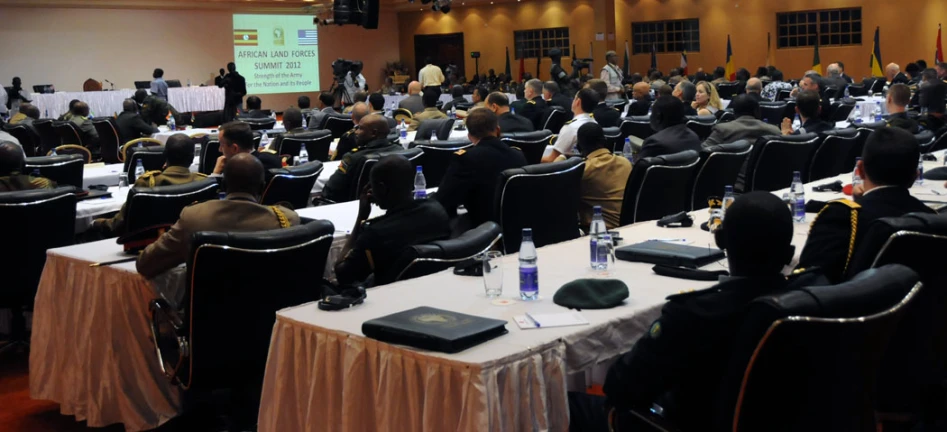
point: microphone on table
(113, 84)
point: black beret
(591, 294)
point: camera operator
(559, 74)
(354, 81)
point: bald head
(414, 88)
(359, 110)
(834, 70)
(11, 158)
(243, 173)
(371, 127)
(891, 70)
(754, 85)
(641, 90)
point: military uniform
(172, 175)
(510, 123)
(835, 232)
(17, 182)
(427, 114)
(238, 213)
(901, 120)
(606, 116)
(565, 142)
(341, 186)
(603, 184)
(347, 143)
(90, 137)
(561, 100)
(533, 109)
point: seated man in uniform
(376, 244)
(899, 95)
(603, 182)
(888, 168)
(585, 101)
(679, 362)
(377, 103)
(239, 212)
(347, 141)
(293, 122)
(66, 116)
(471, 178)
(80, 118)
(535, 106)
(509, 121)
(429, 99)
(130, 125)
(12, 160)
(179, 152)
(372, 138)
(603, 114)
(237, 137)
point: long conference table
(91, 350)
(106, 103)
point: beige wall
(67, 46)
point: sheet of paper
(561, 319)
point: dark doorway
(442, 48)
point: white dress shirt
(565, 143)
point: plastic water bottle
(47, 114)
(388, 109)
(303, 154)
(171, 124)
(796, 123)
(598, 235)
(188, 82)
(139, 169)
(420, 185)
(856, 179)
(847, 94)
(141, 144)
(629, 150)
(264, 140)
(876, 112)
(920, 172)
(798, 197)
(52, 151)
(433, 136)
(728, 199)
(403, 134)
(529, 273)
(512, 111)
(453, 113)
(273, 115)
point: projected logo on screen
(276, 53)
(308, 37)
(245, 37)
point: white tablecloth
(87, 210)
(445, 98)
(106, 103)
(163, 135)
(191, 99)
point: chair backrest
(773, 112)
(614, 142)
(337, 124)
(774, 158)
(292, 184)
(940, 142)
(207, 119)
(162, 205)
(783, 95)
(841, 109)
(91, 85)
(659, 186)
(554, 118)
(318, 143)
(925, 140)
(27, 137)
(702, 125)
(828, 159)
(109, 139)
(856, 90)
(804, 350)
(425, 259)
(724, 116)
(831, 92)
(74, 149)
(543, 197)
(533, 144)
(62, 169)
(719, 167)
(441, 127)
(862, 131)
(413, 155)
(437, 157)
(49, 139)
(265, 123)
(727, 90)
(209, 154)
(68, 132)
(53, 213)
(877, 85)
(636, 126)
(152, 158)
(125, 151)
(228, 319)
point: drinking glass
(493, 274)
(123, 181)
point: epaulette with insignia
(353, 150)
(269, 151)
(460, 152)
(570, 121)
(854, 225)
(531, 102)
(201, 175)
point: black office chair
(124, 150)
(53, 213)
(543, 197)
(554, 118)
(318, 143)
(27, 137)
(774, 158)
(62, 169)
(857, 90)
(659, 186)
(152, 159)
(925, 141)
(833, 92)
(413, 155)
(614, 142)
(49, 139)
(841, 109)
(109, 139)
(258, 123)
(773, 112)
(337, 124)
(636, 126)
(783, 95)
(862, 131)
(701, 125)
(209, 154)
(877, 85)
(292, 185)
(68, 133)
(727, 90)
(160, 206)
(533, 144)
(724, 116)
(221, 336)
(441, 127)
(940, 140)
(207, 119)
(425, 259)
(400, 115)
(438, 156)
(828, 159)
(719, 167)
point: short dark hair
(482, 92)
(654, 76)
(600, 87)
(840, 65)
(590, 137)
(742, 74)
(231, 67)
(890, 157)
(757, 234)
(31, 111)
(688, 91)
(762, 71)
(238, 133)
(129, 105)
(12, 158)
(179, 150)
(429, 99)
(140, 96)
(776, 75)
(377, 101)
(667, 111)
(808, 102)
(396, 172)
(457, 91)
(222, 71)
(900, 94)
(481, 123)
(551, 87)
(361, 96)
(588, 99)
(292, 118)
(665, 90)
(254, 102)
(719, 72)
(327, 99)
(920, 63)
(929, 74)
(73, 102)
(303, 102)
(498, 99)
(912, 69)
(158, 73)
(244, 173)
(745, 105)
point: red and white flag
(684, 63)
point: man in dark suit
(471, 178)
(603, 114)
(641, 100)
(304, 105)
(813, 82)
(535, 105)
(678, 362)
(835, 79)
(457, 92)
(888, 168)
(219, 79)
(808, 107)
(413, 102)
(253, 108)
(237, 137)
(235, 88)
(377, 102)
(894, 76)
(348, 140)
(747, 125)
(326, 101)
(686, 91)
(672, 134)
(372, 138)
(154, 109)
(508, 121)
(554, 97)
(130, 125)
(841, 67)
(931, 95)
(899, 95)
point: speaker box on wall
(370, 14)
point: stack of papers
(561, 319)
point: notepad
(561, 319)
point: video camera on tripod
(579, 64)
(342, 67)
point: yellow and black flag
(245, 37)
(876, 68)
(816, 61)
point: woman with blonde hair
(707, 102)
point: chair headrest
(336, 117)
(767, 104)
(35, 195)
(467, 244)
(924, 137)
(845, 133)
(706, 119)
(612, 131)
(270, 239)
(920, 222)
(63, 159)
(546, 168)
(454, 144)
(410, 154)
(175, 190)
(683, 158)
(734, 147)
(303, 170)
(801, 138)
(637, 119)
(313, 135)
(527, 136)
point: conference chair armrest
(319, 200)
(641, 420)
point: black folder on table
(434, 329)
(672, 254)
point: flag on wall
(731, 71)
(769, 49)
(875, 63)
(939, 55)
(816, 62)
(507, 70)
(654, 56)
(626, 66)
(684, 63)
(522, 67)
(539, 61)
(591, 56)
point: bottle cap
(418, 169)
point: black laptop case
(434, 329)
(659, 252)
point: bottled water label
(529, 282)
(799, 208)
(420, 194)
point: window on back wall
(832, 27)
(538, 42)
(666, 36)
